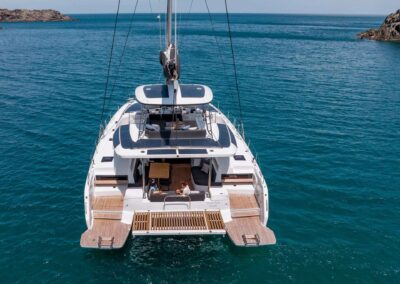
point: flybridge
(179, 95)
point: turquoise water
(321, 108)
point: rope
(123, 51)
(109, 63)
(234, 65)
(186, 25)
(216, 40)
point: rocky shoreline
(24, 15)
(388, 31)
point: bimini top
(165, 95)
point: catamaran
(171, 163)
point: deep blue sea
(321, 109)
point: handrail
(179, 196)
(119, 131)
(142, 122)
(207, 116)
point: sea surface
(321, 110)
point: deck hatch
(107, 159)
(156, 91)
(134, 108)
(162, 152)
(192, 151)
(239, 158)
(192, 91)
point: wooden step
(106, 242)
(244, 205)
(110, 182)
(238, 181)
(107, 215)
(251, 212)
(251, 240)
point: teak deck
(179, 173)
(106, 234)
(246, 229)
(240, 229)
(244, 205)
(108, 203)
(178, 221)
(243, 201)
(107, 231)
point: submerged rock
(24, 15)
(388, 31)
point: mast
(168, 33)
(169, 58)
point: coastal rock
(24, 15)
(388, 31)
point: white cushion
(156, 127)
(196, 162)
(140, 169)
(205, 168)
(150, 127)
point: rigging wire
(186, 25)
(176, 24)
(216, 40)
(123, 51)
(109, 62)
(234, 66)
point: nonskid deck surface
(183, 221)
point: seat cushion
(160, 197)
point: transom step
(251, 240)
(106, 242)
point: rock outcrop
(388, 31)
(24, 15)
